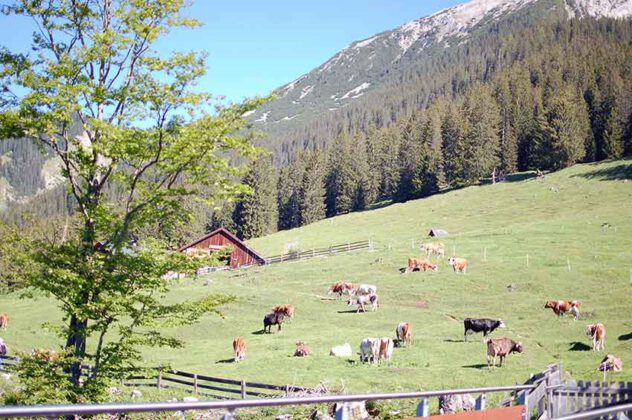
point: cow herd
(376, 350)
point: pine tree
(256, 214)
(411, 154)
(612, 134)
(312, 191)
(568, 117)
(453, 132)
(289, 190)
(508, 140)
(342, 180)
(482, 142)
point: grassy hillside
(554, 224)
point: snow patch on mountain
(365, 43)
(290, 86)
(598, 8)
(306, 91)
(264, 117)
(248, 113)
(355, 91)
(286, 118)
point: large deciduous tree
(128, 121)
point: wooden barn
(221, 238)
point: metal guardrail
(231, 405)
(598, 413)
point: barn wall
(238, 257)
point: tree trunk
(77, 342)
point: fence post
(229, 415)
(243, 389)
(481, 402)
(423, 409)
(159, 378)
(195, 383)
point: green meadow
(528, 240)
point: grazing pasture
(527, 241)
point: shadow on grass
(579, 346)
(476, 366)
(619, 172)
(231, 360)
(625, 337)
(259, 332)
(451, 340)
(350, 311)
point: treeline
(566, 104)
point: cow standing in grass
(272, 319)
(561, 307)
(286, 310)
(501, 347)
(362, 300)
(598, 334)
(404, 333)
(434, 248)
(4, 321)
(459, 265)
(484, 325)
(239, 349)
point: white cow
(364, 289)
(341, 351)
(362, 300)
(370, 350)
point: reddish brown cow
(287, 310)
(4, 321)
(404, 333)
(302, 350)
(501, 347)
(340, 288)
(561, 307)
(420, 264)
(239, 349)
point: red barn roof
(242, 254)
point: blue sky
(255, 46)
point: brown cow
(420, 264)
(598, 333)
(340, 288)
(433, 248)
(458, 264)
(404, 333)
(302, 350)
(501, 347)
(561, 307)
(4, 321)
(239, 349)
(287, 310)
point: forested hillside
(558, 93)
(541, 86)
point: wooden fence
(210, 386)
(552, 397)
(321, 252)
(192, 382)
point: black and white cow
(484, 325)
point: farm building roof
(437, 232)
(232, 240)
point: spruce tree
(453, 132)
(312, 191)
(256, 214)
(612, 134)
(342, 180)
(411, 154)
(289, 190)
(568, 117)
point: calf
(598, 333)
(450, 404)
(386, 348)
(272, 319)
(484, 325)
(459, 265)
(364, 289)
(4, 321)
(340, 288)
(433, 248)
(501, 347)
(370, 350)
(3, 348)
(404, 333)
(561, 307)
(611, 362)
(302, 350)
(362, 300)
(239, 349)
(286, 310)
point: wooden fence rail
(191, 382)
(321, 252)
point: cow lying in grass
(501, 347)
(272, 319)
(420, 265)
(611, 363)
